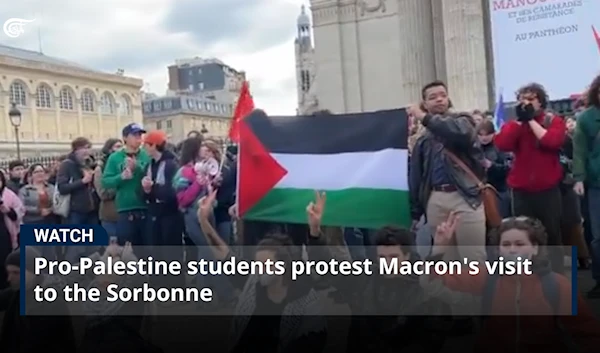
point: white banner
(552, 42)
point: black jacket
(162, 200)
(457, 134)
(33, 334)
(497, 173)
(226, 192)
(69, 182)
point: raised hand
(314, 211)
(206, 205)
(444, 233)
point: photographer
(536, 140)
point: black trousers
(545, 206)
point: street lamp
(15, 119)
(204, 130)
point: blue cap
(133, 128)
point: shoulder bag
(489, 194)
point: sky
(143, 37)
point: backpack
(550, 289)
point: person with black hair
(536, 138)
(274, 313)
(438, 184)
(586, 171)
(16, 172)
(165, 221)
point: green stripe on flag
(368, 208)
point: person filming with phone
(535, 138)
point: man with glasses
(536, 139)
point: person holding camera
(536, 138)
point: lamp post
(15, 119)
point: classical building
(179, 115)
(305, 66)
(377, 54)
(209, 78)
(60, 101)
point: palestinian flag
(359, 160)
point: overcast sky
(144, 36)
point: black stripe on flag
(331, 134)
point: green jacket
(129, 192)
(586, 148)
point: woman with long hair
(191, 184)
(12, 211)
(107, 210)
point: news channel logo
(15, 27)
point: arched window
(43, 97)
(66, 99)
(18, 94)
(87, 101)
(125, 106)
(107, 104)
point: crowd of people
(544, 170)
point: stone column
(465, 53)
(438, 40)
(57, 118)
(417, 62)
(34, 116)
(79, 117)
(100, 136)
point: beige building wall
(92, 104)
(377, 54)
(177, 126)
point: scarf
(12, 201)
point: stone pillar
(439, 44)
(416, 48)
(34, 116)
(57, 118)
(465, 53)
(100, 136)
(79, 117)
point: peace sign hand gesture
(444, 233)
(314, 211)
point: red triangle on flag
(258, 171)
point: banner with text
(552, 42)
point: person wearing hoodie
(521, 313)
(123, 172)
(495, 163)
(108, 210)
(33, 333)
(165, 221)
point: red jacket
(536, 165)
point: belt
(445, 188)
